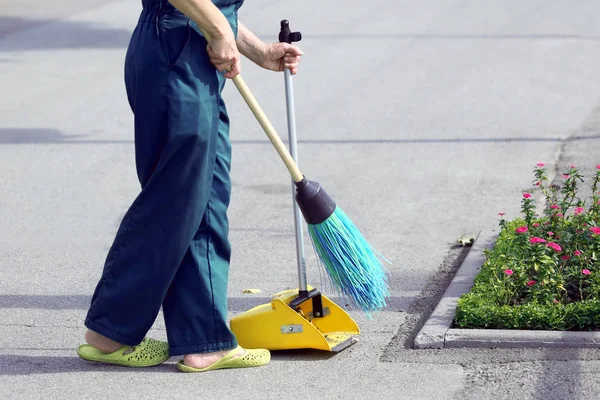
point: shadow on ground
(54, 136)
(82, 302)
(48, 136)
(61, 34)
(13, 364)
(58, 34)
(16, 364)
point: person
(171, 249)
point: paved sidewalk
(422, 119)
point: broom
(352, 265)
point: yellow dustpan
(296, 320)
(303, 318)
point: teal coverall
(172, 248)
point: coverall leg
(172, 248)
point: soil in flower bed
(544, 271)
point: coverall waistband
(167, 7)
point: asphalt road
(422, 119)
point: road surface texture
(422, 119)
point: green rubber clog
(147, 354)
(251, 358)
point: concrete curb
(437, 332)
(492, 338)
(433, 333)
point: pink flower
(508, 271)
(586, 272)
(526, 195)
(536, 224)
(560, 215)
(556, 301)
(598, 166)
(579, 210)
(537, 240)
(565, 257)
(550, 233)
(538, 183)
(566, 176)
(531, 283)
(554, 246)
(541, 164)
(554, 206)
(577, 252)
(572, 167)
(501, 214)
(521, 229)
(595, 230)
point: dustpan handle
(285, 35)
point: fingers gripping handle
(287, 36)
(266, 125)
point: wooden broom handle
(268, 128)
(266, 124)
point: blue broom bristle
(352, 265)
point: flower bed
(543, 271)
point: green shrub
(544, 271)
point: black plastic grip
(286, 35)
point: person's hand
(278, 56)
(224, 55)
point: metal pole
(291, 117)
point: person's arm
(276, 56)
(208, 17)
(222, 48)
(250, 45)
